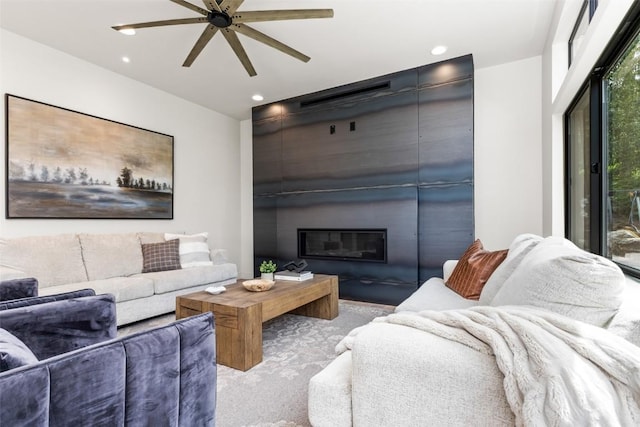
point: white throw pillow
(520, 247)
(194, 249)
(558, 276)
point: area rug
(274, 393)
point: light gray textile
(194, 249)
(144, 308)
(114, 262)
(558, 276)
(111, 255)
(447, 268)
(123, 288)
(626, 323)
(173, 280)
(405, 377)
(434, 295)
(7, 273)
(146, 237)
(53, 260)
(330, 394)
(518, 249)
(532, 347)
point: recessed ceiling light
(438, 50)
(126, 59)
(257, 97)
(128, 31)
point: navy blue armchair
(18, 288)
(85, 376)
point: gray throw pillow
(13, 352)
(558, 276)
(161, 256)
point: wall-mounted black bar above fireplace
(342, 244)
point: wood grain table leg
(240, 346)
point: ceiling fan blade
(281, 15)
(212, 5)
(269, 41)
(206, 35)
(230, 6)
(161, 23)
(193, 7)
(235, 44)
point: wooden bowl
(258, 285)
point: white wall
(507, 151)
(206, 150)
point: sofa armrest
(18, 288)
(402, 376)
(447, 268)
(57, 327)
(35, 300)
(330, 394)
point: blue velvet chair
(18, 288)
(85, 376)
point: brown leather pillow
(474, 269)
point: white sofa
(401, 376)
(109, 263)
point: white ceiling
(365, 38)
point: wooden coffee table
(239, 313)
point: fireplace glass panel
(343, 244)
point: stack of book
(292, 275)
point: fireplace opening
(343, 244)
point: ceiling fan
(223, 16)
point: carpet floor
(295, 348)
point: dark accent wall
(394, 152)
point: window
(578, 172)
(580, 26)
(603, 153)
(621, 96)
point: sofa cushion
(111, 255)
(150, 237)
(520, 246)
(473, 270)
(161, 256)
(53, 260)
(558, 276)
(122, 288)
(435, 295)
(194, 249)
(173, 280)
(13, 352)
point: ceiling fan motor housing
(219, 19)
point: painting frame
(66, 164)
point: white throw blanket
(558, 371)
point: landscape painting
(65, 164)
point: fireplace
(343, 244)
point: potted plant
(267, 268)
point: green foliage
(268, 267)
(623, 130)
